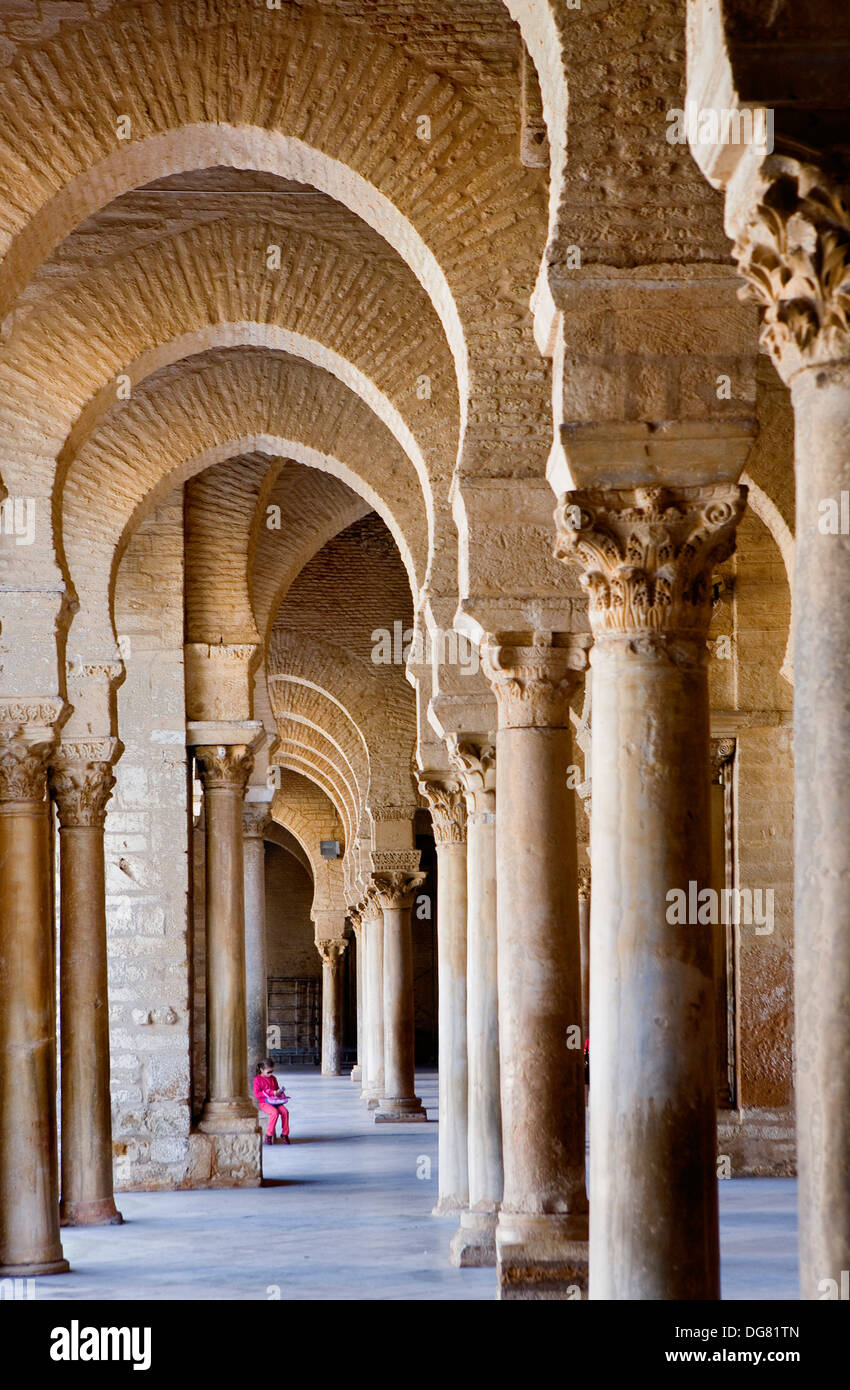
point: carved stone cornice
(792, 247)
(647, 555)
(224, 766)
(392, 812)
(447, 805)
(36, 711)
(255, 820)
(404, 861)
(23, 766)
(331, 951)
(396, 891)
(475, 763)
(534, 684)
(81, 790)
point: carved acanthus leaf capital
(475, 763)
(255, 821)
(722, 753)
(793, 249)
(332, 950)
(647, 556)
(227, 765)
(534, 684)
(23, 765)
(81, 790)
(447, 805)
(396, 891)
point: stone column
(255, 823)
(29, 1177)
(81, 782)
(373, 935)
(448, 816)
(647, 556)
(474, 1242)
(395, 891)
(584, 945)
(793, 247)
(357, 1069)
(331, 952)
(541, 1236)
(224, 771)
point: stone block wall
(147, 876)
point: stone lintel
(220, 732)
(676, 453)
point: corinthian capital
(394, 891)
(448, 811)
(475, 763)
(81, 791)
(255, 821)
(534, 684)
(23, 766)
(792, 247)
(647, 556)
(226, 765)
(331, 951)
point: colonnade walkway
(345, 1214)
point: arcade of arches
(412, 454)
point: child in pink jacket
(267, 1093)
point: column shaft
(821, 399)
(29, 1180)
(331, 953)
(453, 1070)
(474, 1243)
(224, 772)
(357, 1069)
(256, 970)
(373, 926)
(399, 1101)
(648, 554)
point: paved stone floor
(345, 1214)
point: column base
(371, 1102)
(473, 1244)
(394, 1110)
(228, 1117)
(328, 1072)
(31, 1270)
(449, 1206)
(541, 1257)
(103, 1212)
(356, 1073)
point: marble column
(584, 947)
(331, 952)
(395, 892)
(373, 935)
(255, 823)
(448, 816)
(224, 771)
(81, 783)
(647, 557)
(357, 1069)
(792, 229)
(541, 1235)
(29, 1178)
(474, 1242)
